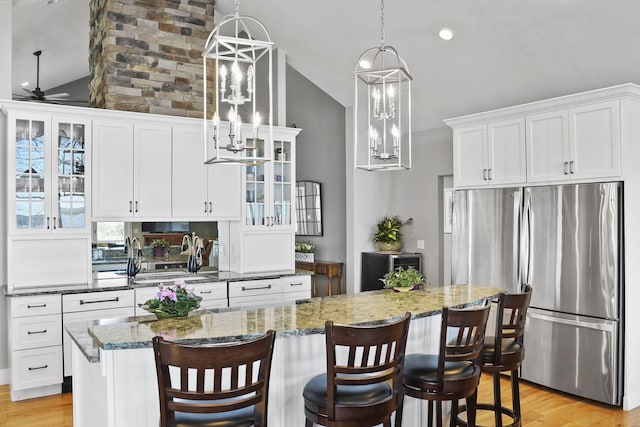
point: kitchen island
(114, 378)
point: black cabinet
(375, 265)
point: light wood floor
(540, 408)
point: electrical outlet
(420, 244)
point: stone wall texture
(145, 55)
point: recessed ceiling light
(445, 34)
(25, 84)
(50, 1)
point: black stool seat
(420, 370)
(315, 393)
(240, 418)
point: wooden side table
(330, 269)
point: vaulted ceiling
(504, 52)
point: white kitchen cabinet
(35, 346)
(582, 142)
(198, 190)
(93, 306)
(132, 170)
(47, 162)
(264, 239)
(594, 140)
(296, 287)
(255, 292)
(547, 146)
(490, 154)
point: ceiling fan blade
(27, 90)
(57, 95)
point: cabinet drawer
(298, 284)
(36, 368)
(97, 300)
(255, 287)
(34, 305)
(213, 303)
(210, 291)
(36, 331)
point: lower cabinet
(91, 306)
(269, 291)
(35, 346)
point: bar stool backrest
(461, 338)
(510, 320)
(213, 379)
(365, 355)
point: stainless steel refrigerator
(564, 241)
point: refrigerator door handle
(524, 270)
(607, 327)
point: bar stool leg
(497, 399)
(430, 412)
(439, 413)
(472, 408)
(515, 392)
(454, 412)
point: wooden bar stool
(363, 383)
(453, 373)
(505, 352)
(220, 385)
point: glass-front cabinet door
(30, 174)
(70, 210)
(282, 182)
(49, 166)
(269, 187)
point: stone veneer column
(145, 55)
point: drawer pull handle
(205, 292)
(295, 284)
(116, 299)
(38, 367)
(37, 306)
(44, 331)
(248, 288)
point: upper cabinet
(132, 170)
(575, 143)
(48, 170)
(490, 154)
(198, 190)
(269, 187)
(572, 138)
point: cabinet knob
(210, 207)
(490, 174)
(484, 174)
(48, 227)
(205, 207)
(54, 223)
(130, 206)
(571, 163)
(136, 206)
(566, 168)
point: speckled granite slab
(301, 318)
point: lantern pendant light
(382, 108)
(240, 51)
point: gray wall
(410, 194)
(78, 90)
(320, 157)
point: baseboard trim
(630, 402)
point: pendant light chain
(382, 23)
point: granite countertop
(111, 281)
(301, 318)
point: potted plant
(305, 251)
(159, 246)
(388, 236)
(172, 302)
(403, 280)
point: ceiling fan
(38, 95)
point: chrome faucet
(192, 245)
(133, 250)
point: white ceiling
(505, 52)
